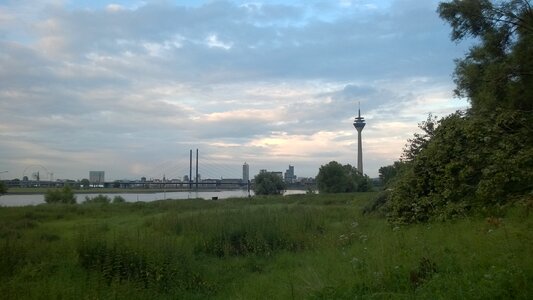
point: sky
(129, 87)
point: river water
(34, 199)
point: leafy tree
(481, 159)
(65, 196)
(498, 72)
(85, 183)
(336, 178)
(420, 140)
(472, 163)
(388, 173)
(267, 183)
(3, 188)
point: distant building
(289, 175)
(245, 172)
(280, 174)
(186, 178)
(230, 183)
(96, 177)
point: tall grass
(305, 246)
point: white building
(245, 172)
(97, 177)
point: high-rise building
(289, 175)
(97, 177)
(245, 172)
(359, 124)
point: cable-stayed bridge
(186, 174)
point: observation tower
(359, 124)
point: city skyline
(130, 86)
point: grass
(293, 247)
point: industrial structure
(359, 124)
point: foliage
(85, 183)
(64, 195)
(472, 162)
(420, 140)
(390, 172)
(103, 199)
(118, 199)
(482, 159)
(267, 183)
(498, 72)
(336, 178)
(3, 188)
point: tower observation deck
(359, 124)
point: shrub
(336, 178)
(472, 162)
(64, 195)
(98, 199)
(118, 199)
(3, 188)
(267, 183)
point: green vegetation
(481, 159)
(3, 188)
(295, 247)
(65, 196)
(336, 178)
(268, 183)
(118, 199)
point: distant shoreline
(37, 191)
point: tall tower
(359, 124)
(245, 172)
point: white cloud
(213, 41)
(126, 86)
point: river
(35, 199)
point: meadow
(293, 247)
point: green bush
(267, 183)
(64, 195)
(103, 199)
(3, 188)
(118, 199)
(336, 178)
(472, 162)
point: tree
(473, 162)
(497, 72)
(420, 140)
(65, 196)
(388, 173)
(85, 183)
(336, 178)
(3, 188)
(481, 159)
(267, 183)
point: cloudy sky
(129, 87)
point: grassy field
(295, 247)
